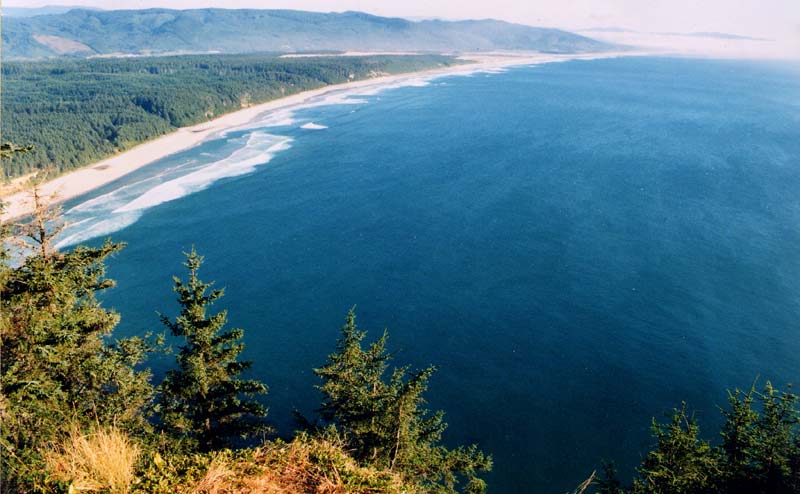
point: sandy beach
(90, 177)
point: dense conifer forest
(75, 112)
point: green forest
(75, 112)
(81, 410)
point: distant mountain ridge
(82, 32)
(49, 9)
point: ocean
(578, 246)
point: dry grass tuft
(304, 466)
(102, 460)
(218, 476)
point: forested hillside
(75, 112)
(83, 32)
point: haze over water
(579, 246)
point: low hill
(82, 32)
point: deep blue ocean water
(578, 246)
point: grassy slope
(109, 460)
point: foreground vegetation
(80, 411)
(75, 112)
(758, 451)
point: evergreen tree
(383, 420)
(739, 442)
(776, 442)
(58, 366)
(354, 392)
(761, 449)
(759, 452)
(681, 463)
(204, 400)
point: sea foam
(239, 163)
(313, 126)
(123, 206)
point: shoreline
(90, 177)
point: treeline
(79, 111)
(80, 411)
(757, 451)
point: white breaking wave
(96, 229)
(345, 97)
(240, 162)
(313, 126)
(410, 82)
(285, 117)
(122, 207)
(277, 118)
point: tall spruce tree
(58, 367)
(740, 442)
(759, 452)
(382, 420)
(204, 400)
(681, 463)
(775, 452)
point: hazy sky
(776, 19)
